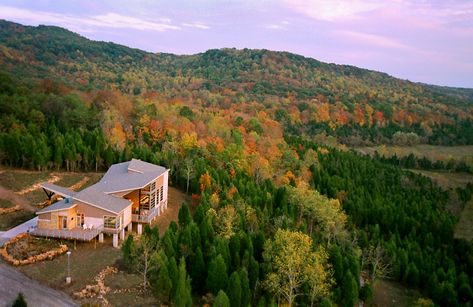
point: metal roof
(64, 192)
(63, 204)
(96, 197)
(130, 175)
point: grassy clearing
(431, 152)
(388, 293)
(18, 180)
(86, 262)
(447, 180)
(126, 290)
(69, 179)
(5, 203)
(464, 227)
(10, 220)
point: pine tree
(173, 273)
(221, 300)
(349, 290)
(183, 295)
(234, 290)
(20, 301)
(184, 216)
(245, 288)
(129, 252)
(217, 278)
(198, 271)
(163, 285)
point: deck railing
(76, 233)
(147, 218)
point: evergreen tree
(129, 252)
(20, 301)
(173, 273)
(349, 290)
(198, 271)
(234, 290)
(184, 215)
(163, 285)
(221, 300)
(245, 288)
(217, 278)
(183, 295)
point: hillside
(242, 131)
(303, 94)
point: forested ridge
(239, 131)
(358, 106)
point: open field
(464, 227)
(431, 152)
(445, 179)
(389, 293)
(18, 180)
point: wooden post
(75, 244)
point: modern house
(129, 192)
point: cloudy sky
(425, 40)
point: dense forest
(278, 217)
(309, 97)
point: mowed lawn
(431, 152)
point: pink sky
(423, 41)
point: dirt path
(16, 199)
(12, 282)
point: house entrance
(63, 222)
(80, 219)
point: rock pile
(10, 210)
(99, 289)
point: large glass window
(110, 222)
(152, 200)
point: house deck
(75, 233)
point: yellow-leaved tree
(293, 262)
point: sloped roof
(65, 192)
(63, 204)
(130, 175)
(96, 197)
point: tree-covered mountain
(239, 129)
(304, 94)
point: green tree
(349, 290)
(198, 271)
(163, 285)
(129, 252)
(221, 300)
(183, 295)
(245, 288)
(184, 215)
(234, 290)
(217, 278)
(20, 301)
